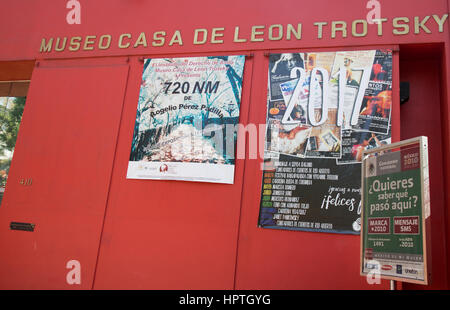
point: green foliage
(4, 170)
(9, 124)
(10, 118)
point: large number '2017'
(314, 81)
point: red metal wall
(66, 147)
(76, 134)
(422, 115)
(278, 259)
(168, 234)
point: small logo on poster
(357, 224)
(399, 269)
(410, 159)
(386, 267)
(163, 168)
(368, 254)
(372, 266)
(411, 271)
(371, 168)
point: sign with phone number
(395, 201)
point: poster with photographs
(318, 124)
(185, 105)
(375, 113)
(350, 76)
(280, 67)
(355, 142)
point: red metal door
(422, 115)
(64, 154)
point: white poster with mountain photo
(187, 111)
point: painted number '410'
(26, 182)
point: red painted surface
(47, 18)
(422, 115)
(170, 234)
(445, 78)
(278, 259)
(184, 235)
(66, 145)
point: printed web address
(226, 300)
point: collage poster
(183, 109)
(323, 110)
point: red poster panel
(162, 234)
(282, 259)
(60, 176)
